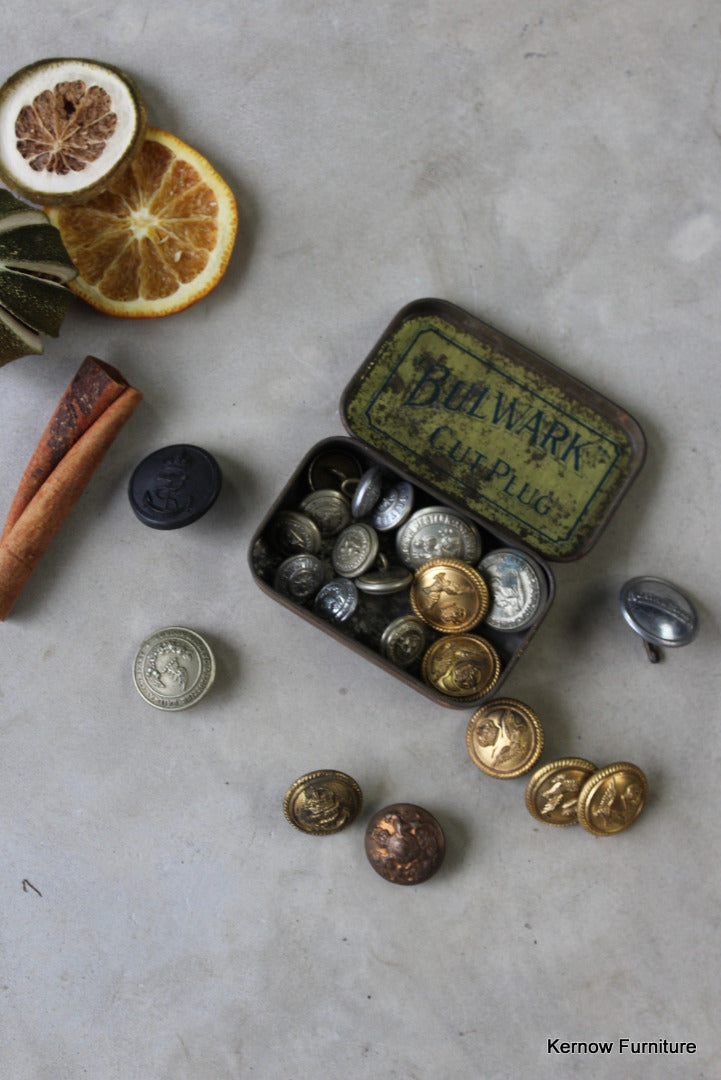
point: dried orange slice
(158, 238)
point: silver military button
(329, 509)
(393, 507)
(337, 600)
(385, 580)
(404, 640)
(299, 577)
(436, 532)
(355, 550)
(291, 532)
(174, 668)
(517, 586)
(367, 493)
(659, 612)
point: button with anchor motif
(174, 486)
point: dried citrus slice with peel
(34, 269)
(66, 128)
(158, 239)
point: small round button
(449, 595)
(553, 790)
(174, 486)
(174, 668)
(612, 798)
(462, 666)
(658, 611)
(504, 738)
(404, 844)
(323, 802)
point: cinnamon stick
(90, 414)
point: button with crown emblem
(322, 802)
(174, 486)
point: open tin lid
(494, 428)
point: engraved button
(393, 507)
(329, 509)
(504, 738)
(174, 668)
(355, 550)
(553, 790)
(436, 532)
(449, 595)
(337, 600)
(367, 493)
(299, 577)
(404, 844)
(612, 798)
(517, 586)
(462, 666)
(658, 611)
(174, 486)
(323, 802)
(291, 533)
(404, 640)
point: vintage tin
(475, 422)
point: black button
(174, 486)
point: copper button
(323, 802)
(404, 844)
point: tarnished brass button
(553, 790)
(449, 595)
(322, 802)
(333, 468)
(404, 844)
(404, 640)
(462, 666)
(612, 798)
(329, 509)
(504, 738)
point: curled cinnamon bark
(92, 411)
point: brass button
(449, 595)
(322, 802)
(553, 790)
(404, 844)
(612, 798)
(461, 666)
(504, 738)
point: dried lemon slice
(34, 267)
(67, 127)
(158, 239)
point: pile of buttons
(411, 583)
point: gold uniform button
(449, 595)
(322, 802)
(462, 666)
(612, 798)
(553, 791)
(504, 738)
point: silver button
(367, 493)
(435, 532)
(174, 668)
(659, 612)
(517, 586)
(355, 550)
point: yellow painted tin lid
(497, 430)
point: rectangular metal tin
(398, 398)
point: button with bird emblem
(553, 790)
(612, 798)
(504, 738)
(449, 595)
